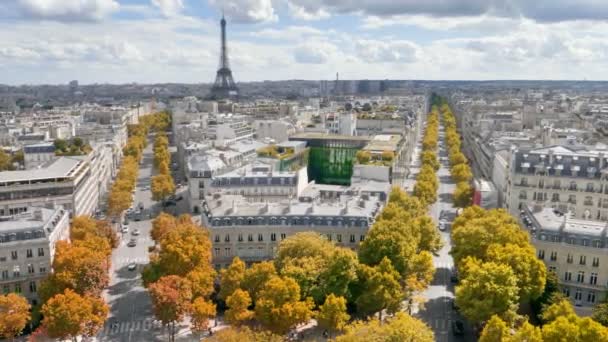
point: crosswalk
(120, 262)
(444, 264)
(130, 326)
(440, 324)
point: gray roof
(554, 222)
(62, 167)
(29, 225)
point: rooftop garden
(378, 159)
(276, 152)
(73, 147)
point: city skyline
(157, 41)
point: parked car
(132, 266)
(132, 243)
(141, 205)
(442, 226)
(135, 232)
(124, 229)
(458, 328)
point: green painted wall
(331, 165)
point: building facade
(27, 248)
(576, 250)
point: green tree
(426, 192)
(528, 333)
(256, 277)
(600, 314)
(332, 314)
(486, 290)
(244, 334)
(231, 278)
(496, 330)
(381, 289)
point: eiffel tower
(224, 86)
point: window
(250, 237)
(573, 185)
(524, 181)
(578, 295)
(216, 252)
(352, 238)
(17, 288)
(593, 279)
(42, 269)
(4, 274)
(588, 200)
(555, 198)
(597, 243)
(260, 237)
(227, 238)
(14, 255)
(589, 187)
(273, 237)
(583, 260)
(553, 256)
(328, 237)
(6, 289)
(585, 242)
(16, 271)
(580, 278)
(362, 237)
(40, 252)
(523, 194)
(568, 276)
(591, 297)
(541, 254)
(283, 236)
(569, 258)
(572, 199)
(227, 251)
(240, 238)
(217, 238)
(30, 268)
(552, 269)
(339, 237)
(32, 286)
(596, 262)
(28, 253)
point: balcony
(589, 203)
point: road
(437, 311)
(131, 317)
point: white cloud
(375, 51)
(70, 10)
(314, 52)
(247, 11)
(301, 13)
(169, 7)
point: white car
(442, 226)
(125, 229)
(132, 266)
(135, 232)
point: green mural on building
(331, 165)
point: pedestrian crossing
(112, 328)
(120, 262)
(439, 324)
(444, 264)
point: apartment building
(65, 181)
(226, 129)
(253, 230)
(576, 250)
(562, 178)
(27, 248)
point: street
(437, 311)
(131, 317)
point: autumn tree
(332, 314)
(14, 314)
(495, 330)
(401, 327)
(256, 278)
(69, 315)
(279, 308)
(425, 191)
(238, 307)
(171, 297)
(430, 158)
(161, 225)
(244, 334)
(381, 289)
(463, 195)
(461, 173)
(600, 313)
(201, 311)
(487, 289)
(162, 187)
(231, 278)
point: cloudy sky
(119, 41)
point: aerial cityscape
(303, 170)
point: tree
(14, 314)
(183, 249)
(244, 334)
(231, 278)
(600, 314)
(256, 277)
(69, 315)
(162, 187)
(528, 333)
(461, 173)
(430, 158)
(531, 273)
(402, 327)
(487, 289)
(202, 311)
(171, 296)
(332, 314)
(162, 224)
(457, 158)
(5, 161)
(430, 240)
(421, 272)
(238, 307)
(278, 307)
(118, 201)
(463, 195)
(425, 191)
(381, 289)
(339, 274)
(496, 330)
(307, 244)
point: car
(141, 205)
(132, 266)
(135, 232)
(169, 203)
(146, 187)
(458, 328)
(179, 198)
(132, 243)
(442, 226)
(124, 229)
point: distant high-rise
(224, 86)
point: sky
(156, 41)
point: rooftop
(63, 167)
(29, 225)
(550, 220)
(384, 142)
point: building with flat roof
(27, 248)
(576, 250)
